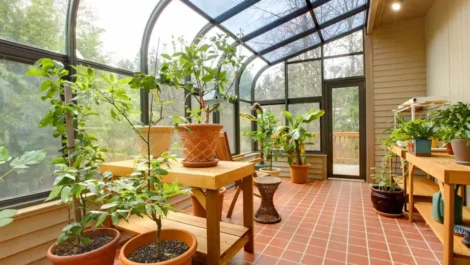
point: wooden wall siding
(448, 49)
(398, 72)
(317, 169)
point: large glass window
(110, 31)
(37, 23)
(245, 126)
(21, 109)
(227, 119)
(278, 111)
(304, 79)
(314, 127)
(293, 47)
(215, 8)
(349, 44)
(271, 83)
(336, 8)
(344, 67)
(343, 26)
(247, 77)
(311, 54)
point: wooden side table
(210, 230)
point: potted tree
(267, 122)
(76, 167)
(207, 64)
(420, 131)
(143, 193)
(454, 127)
(293, 139)
(22, 162)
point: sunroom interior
(360, 65)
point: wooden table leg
(448, 223)
(248, 212)
(411, 168)
(405, 179)
(213, 227)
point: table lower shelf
(422, 187)
(232, 237)
(460, 250)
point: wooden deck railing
(346, 147)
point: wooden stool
(267, 213)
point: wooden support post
(248, 212)
(213, 227)
(410, 193)
(448, 223)
(200, 196)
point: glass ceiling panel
(282, 32)
(349, 44)
(343, 26)
(336, 8)
(261, 14)
(312, 54)
(247, 77)
(215, 8)
(106, 31)
(293, 47)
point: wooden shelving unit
(422, 187)
(460, 250)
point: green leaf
(63, 238)
(54, 193)
(5, 221)
(8, 213)
(36, 72)
(166, 56)
(64, 194)
(101, 219)
(207, 78)
(288, 117)
(28, 158)
(46, 84)
(248, 116)
(114, 114)
(115, 219)
(4, 156)
(72, 227)
(109, 205)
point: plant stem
(297, 152)
(8, 172)
(149, 166)
(158, 221)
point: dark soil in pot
(148, 253)
(70, 248)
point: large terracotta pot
(199, 211)
(160, 139)
(299, 173)
(167, 234)
(461, 151)
(104, 255)
(387, 202)
(199, 144)
(273, 173)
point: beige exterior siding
(448, 49)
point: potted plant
(454, 127)
(293, 139)
(76, 166)
(420, 131)
(143, 193)
(22, 162)
(207, 64)
(267, 122)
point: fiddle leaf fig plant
(293, 137)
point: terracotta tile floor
(333, 222)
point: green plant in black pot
(420, 131)
(454, 127)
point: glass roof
(215, 8)
(336, 8)
(293, 47)
(344, 26)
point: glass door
(346, 129)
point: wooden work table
(448, 173)
(218, 242)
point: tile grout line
(365, 225)
(290, 239)
(288, 217)
(406, 241)
(427, 244)
(386, 241)
(331, 228)
(349, 222)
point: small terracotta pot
(411, 147)
(104, 255)
(167, 234)
(299, 173)
(199, 144)
(449, 150)
(387, 202)
(160, 139)
(273, 173)
(199, 211)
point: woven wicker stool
(267, 213)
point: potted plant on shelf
(207, 64)
(76, 167)
(293, 139)
(266, 122)
(143, 193)
(420, 131)
(454, 127)
(22, 162)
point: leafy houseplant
(420, 131)
(266, 124)
(454, 127)
(293, 139)
(207, 64)
(19, 163)
(76, 167)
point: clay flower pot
(199, 143)
(299, 173)
(167, 234)
(199, 211)
(387, 203)
(160, 139)
(461, 151)
(273, 173)
(104, 255)
(449, 150)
